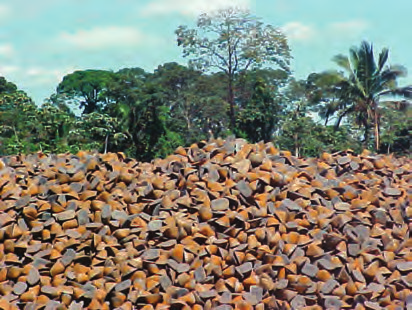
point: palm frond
(383, 57)
(365, 67)
(393, 73)
(343, 62)
(354, 59)
(369, 60)
(405, 92)
(401, 105)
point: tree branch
(248, 64)
(215, 53)
(235, 52)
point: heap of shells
(218, 225)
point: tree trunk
(231, 96)
(189, 128)
(296, 145)
(15, 134)
(106, 142)
(339, 120)
(366, 136)
(326, 121)
(377, 140)
(231, 99)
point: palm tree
(366, 83)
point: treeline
(237, 82)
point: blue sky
(42, 40)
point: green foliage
(19, 123)
(303, 137)
(50, 128)
(180, 95)
(360, 91)
(173, 106)
(148, 115)
(299, 132)
(140, 110)
(88, 87)
(397, 130)
(232, 41)
(261, 105)
(259, 117)
(167, 143)
(195, 101)
(94, 131)
(55, 125)
(7, 87)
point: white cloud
(297, 31)
(190, 7)
(4, 11)
(34, 74)
(41, 75)
(6, 50)
(104, 37)
(38, 71)
(351, 27)
(8, 70)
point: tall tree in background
(299, 132)
(138, 102)
(323, 94)
(87, 86)
(178, 84)
(261, 103)
(365, 83)
(233, 41)
(6, 87)
(396, 128)
(210, 116)
(194, 101)
(18, 121)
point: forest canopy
(237, 81)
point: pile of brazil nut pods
(221, 224)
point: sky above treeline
(43, 40)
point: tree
(194, 101)
(300, 133)
(18, 119)
(233, 41)
(19, 124)
(87, 86)
(366, 83)
(261, 104)
(56, 120)
(296, 125)
(180, 96)
(323, 95)
(95, 131)
(7, 87)
(396, 129)
(175, 105)
(210, 108)
(138, 103)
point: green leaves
(231, 86)
(233, 41)
(396, 129)
(261, 104)
(383, 58)
(343, 62)
(88, 87)
(359, 91)
(7, 87)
